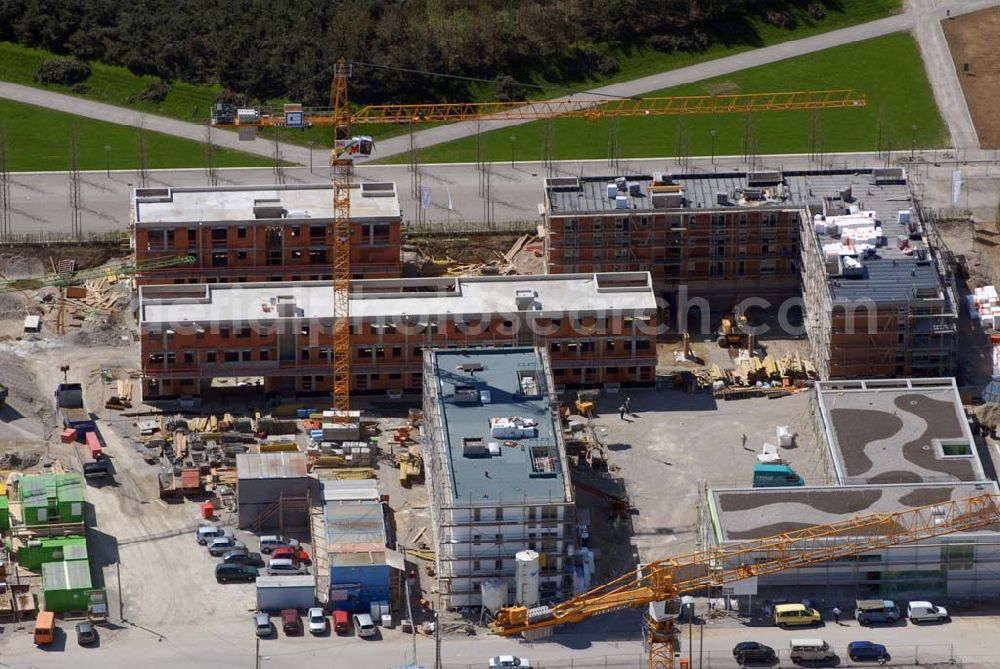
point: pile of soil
(16, 460)
(21, 267)
(107, 330)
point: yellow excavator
(734, 332)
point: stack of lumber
(204, 424)
(123, 399)
(411, 466)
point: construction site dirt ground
(972, 39)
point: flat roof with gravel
(288, 204)
(898, 431)
(754, 513)
(390, 300)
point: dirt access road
(972, 39)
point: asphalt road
(969, 640)
(40, 201)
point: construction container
(69, 498)
(265, 478)
(38, 552)
(4, 513)
(51, 498)
(355, 543)
(207, 510)
(66, 586)
(68, 436)
(275, 593)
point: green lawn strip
(38, 140)
(192, 102)
(897, 90)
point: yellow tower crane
(660, 583)
(346, 147)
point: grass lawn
(38, 140)
(897, 90)
(192, 102)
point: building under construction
(501, 496)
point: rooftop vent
(846, 195)
(621, 202)
(562, 184)
(622, 184)
(673, 200)
(268, 208)
(722, 198)
(378, 189)
(634, 189)
(466, 395)
(766, 178)
(662, 179)
(524, 298)
(612, 190)
(285, 306)
(888, 175)
(474, 447)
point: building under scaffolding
(497, 472)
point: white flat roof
(236, 203)
(552, 296)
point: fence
(899, 656)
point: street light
(107, 160)
(913, 141)
(310, 143)
(712, 133)
(513, 138)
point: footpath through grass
(192, 102)
(38, 140)
(888, 69)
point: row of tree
(264, 49)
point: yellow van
(795, 615)
(45, 628)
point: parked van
(919, 612)
(45, 628)
(795, 615)
(341, 621)
(284, 566)
(810, 650)
(869, 611)
(206, 533)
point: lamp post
(712, 133)
(107, 160)
(913, 140)
(513, 138)
(310, 143)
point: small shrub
(79, 89)
(65, 71)
(780, 19)
(231, 97)
(508, 89)
(607, 65)
(816, 11)
(154, 91)
(694, 41)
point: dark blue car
(866, 650)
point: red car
(292, 553)
(341, 622)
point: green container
(69, 498)
(4, 513)
(66, 586)
(51, 549)
(38, 499)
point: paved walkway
(168, 126)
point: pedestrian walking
(836, 614)
(628, 405)
(621, 412)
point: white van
(919, 612)
(206, 533)
(283, 566)
(364, 625)
(810, 650)
(269, 542)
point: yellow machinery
(659, 584)
(734, 333)
(346, 147)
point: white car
(364, 625)
(919, 612)
(317, 621)
(506, 661)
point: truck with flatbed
(72, 411)
(95, 464)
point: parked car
(866, 650)
(810, 650)
(269, 542)
(284, 567)
(292, 553)
(751, 651)
(788, 615)
(222, 545)
(869, 611)
(505, 661)
(919, 612)
(235, 572)
(341, 621)
(206, 533)
(263, 624)
(364, 625)
(290, 622)
(86, 633)
(243, 557)
(317, 621)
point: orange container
(207, 510)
